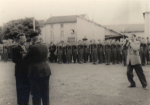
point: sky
(104, 12)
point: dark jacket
(20, 66)
(36, 58)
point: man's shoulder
(15, 47)
(136, 42)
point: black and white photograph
(74, 52)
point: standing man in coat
(100, 51)
(114, 51)
(134, 62)
(74, 52)
(125, 50)
(21, 71)
(39, 70)
(85, 50)
(94, 52)
(108, 52)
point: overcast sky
(104, 12)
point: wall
(138, 34)
(43, 34)
(57, 32)
(89, 30)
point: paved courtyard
(82, 84)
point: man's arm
(29, 55)
(15, 57)
(135, 46)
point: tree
(0, 34)
(11, 29)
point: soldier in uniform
(90, 50)
(108, 51)
(85, 50)
(60, 53)
(125, 50)
(80, 52)
(148, 49)
(144, 51)
(68, 54)
(141, 48)
(100, 51)
(94, 52)
(52, 49)
(74, 52)
(114, 51)
(119, 51)
(103, 47)
(64, 53)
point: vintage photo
(74, 52)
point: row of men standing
(101, 51)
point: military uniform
(64, 53)
(68, 54)
(90, 51)
(104, 57)
(125, 50)
(74, 52)
(85, 53)
(114, 52)
(59, 54)
(148, 49)
(108, 52)
(80, 53)
(100, 52)
(94, 53)
(119, 52)
(52, 50)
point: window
(61, 25)
(51, 25)
(52, 34)
(62, 33)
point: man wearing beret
(21, 71)
(39, 70)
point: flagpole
(33, 18)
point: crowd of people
(32, 70)
(105, 51)
(100, 51)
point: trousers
(139, 72)
(40, 90)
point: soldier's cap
(147, 37)
(33, 34)
(85, 38)
(21, 34)
(134, 35)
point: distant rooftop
(127, 28)
(64, 19)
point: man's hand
(23, 55)
(130, 41)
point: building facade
(73, 28)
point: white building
(74, 28)
(128, 29)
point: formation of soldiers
(106, 51)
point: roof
(61, 19)
(127, 28)
(134, 28)
(73, 19)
